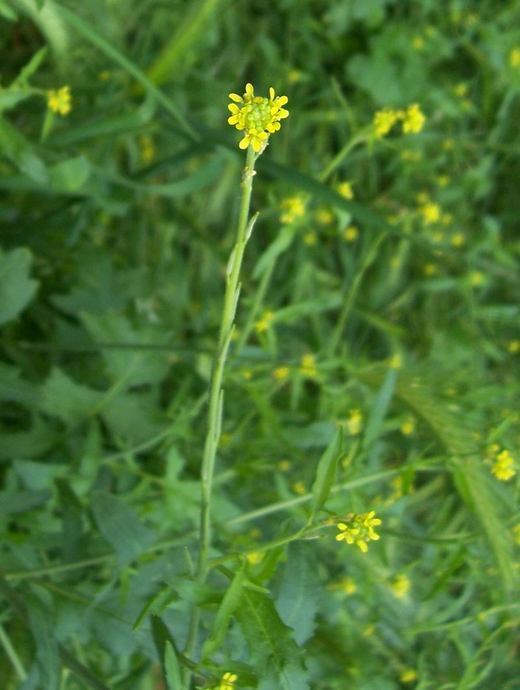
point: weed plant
(284, 456)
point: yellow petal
(235, 97)
(244, 143)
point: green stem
(216, 393)
(12, 655)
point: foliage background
(117, 221)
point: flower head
(59, 100)
(308, 365)
(400, 586)
(384, 120)
(293, 207)
(503, 466)
(256, 116)
(358, 529)
(227, 682)
(413, 119)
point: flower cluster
(412, 120)
(227, 681)
(503, 464)
(293, 207)
(59, 100)
(256, 116)
(358, 529)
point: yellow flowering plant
(256, 116)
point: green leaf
(47, 655)
(228, 606)
(120, 526)
(298, 599)
(276, 656)
(30, 68)
(69, 176)
(67, 400)
(16, 287)
(15, 147)
(21, 501)
(326, 473)
(380, 407)
(171, 668)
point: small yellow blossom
(408, 426)
(293, 207)
(294, 76)
(256, 116)
(281, 373)
(458, 240)
(400, 586)
(255, 557)
(227, 682)
(324, 216)
(431, 212)
(514, 58)
(308, 365)
(476, 278)
(146, 149)
(310, 238)
(264, 322)
(284, 465)
(503, 466)
(418, 42)
(351, 233)
(443, 180)
(345, 190)
(354, 422)
(460, 89)
(247, 374)
(299, 488)
(384, 120)
(430, 269)
(395, 361)
(408, 675)
(513, 346)
(358, 529)
(347, 585)
(413, 119)
(60, 100)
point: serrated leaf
(228, 606)
(297, 601)
(325, 473)
(275, 654)
(67, 400)
(16, 287)
(120, 526)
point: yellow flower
(358, 529)
(256, 116)
(146, 149)
(310, 238)
(293, 208)
(284, 465)
(299, 488)
(418, 42)
(476, 278)
(513, 346)
(351, 233)
(516, 533)
(60, 100)
(400, 586)
(443, 180)
(308, 365)
(345, 190)
(384, 120)
(247, 374)
(430, 212)
(458, 239)
(514, 58)
(413, 119)
(264, 322)
(408, 675)
(430, 269)
(255, 557)
(354, 422)
(281, 373)
(503, 466)
(347, 585)
(227, 682)
(460, 89)
(408, 426)
(324, 216)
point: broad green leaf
(299, 594)
(120, 526)
(67, 400)
(13, 388)
(276, 657)
(228, 606)
(21, 501)
(27, 444)
(16, 287)
(70, 175)
(326, 473)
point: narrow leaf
(325, 473)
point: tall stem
(216, 393)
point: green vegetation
(345, 515)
